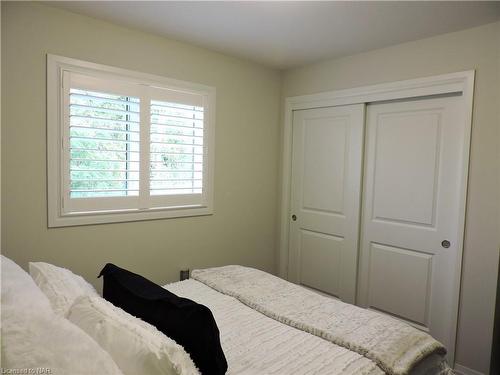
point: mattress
(257, 344)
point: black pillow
(188, 323)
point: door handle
(294, 217)
(445, 244)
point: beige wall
(241, 231)
(0, 129)
(478, 49)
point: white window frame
(57, 185)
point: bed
(255, 341)
(267, 326)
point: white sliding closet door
(411, 230)
(325, 199)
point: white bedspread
(396, 347)
(255, 344)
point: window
(126, 146)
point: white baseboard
(462, 370)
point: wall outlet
(184, 275)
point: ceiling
(285, 34)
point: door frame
(453, 83)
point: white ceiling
(286, 34)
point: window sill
(106, 217)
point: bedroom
(203, 45)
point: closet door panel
(406, 163)
(324, 157)
(326, 175)
(396, 273)
(409, 258)
(320, 258)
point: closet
(377, 204)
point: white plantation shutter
(104, 144)
(131, 148)
(176, 144)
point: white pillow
(137, 347)
(60, 285)
(33, 336)
(19, 290)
